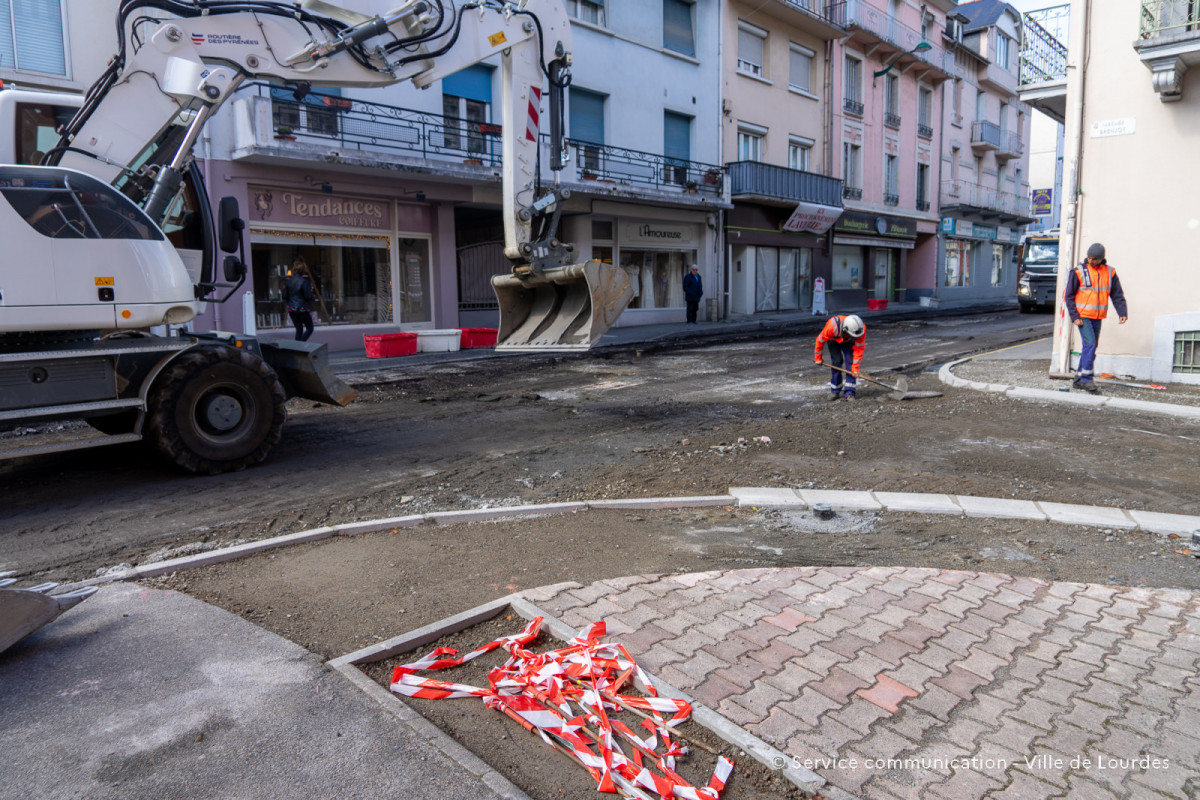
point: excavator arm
(181, 60)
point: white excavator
(109, 237)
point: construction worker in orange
(847, 340)
(1089, 288)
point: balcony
(852, 192)
(922, 205)
(984, 203)
(891, 120)
(924, 131)
(1169, 43)
(879, 33)
(753, 180)
(820, 17)
(1010, 147)
(342, 130)
(852, 106)
(985, 136)
(891, 199)
(1043, 73)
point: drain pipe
(1068, 246)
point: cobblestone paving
(920, 683)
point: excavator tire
(216, 409)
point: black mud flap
(304, 371)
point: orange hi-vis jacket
(1095, 285)
(832, 332)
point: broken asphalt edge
(1150, 522)
(520, 604)
(946, 376)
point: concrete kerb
(719, 725)
(947, 376)
(1159, 523)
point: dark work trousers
(1090, 334)
(303, 322)
(842, 355)
(692, 307)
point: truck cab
(1038, 275)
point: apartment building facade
(984, 194)
(887, 78)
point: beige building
(1132, 126)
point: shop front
(870, 253)
(769, 264)
(369, 258)
(979, 260)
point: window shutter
(473, 83)
(587, 116)
(677, 136)
(8, 56)
(677, 27)
(39, 36)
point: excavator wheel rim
(216, 409)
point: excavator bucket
(23, 611)
(303, 369)
(564, 308)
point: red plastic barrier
(390, 345)
(478, 337)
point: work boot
(849, 396)
(835, 396)
(1077, 384)
(1090, 387)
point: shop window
(352, 276)
(998, 264)
(958, 263)
(31, 39)
(782, 278)
(657, 276)
(847, 269)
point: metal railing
(1043, 57)
(852, 106)
(863, 15)
(1168, 18)
(1011, 144)
(922, 205)
(985, 133)
(604, 162)
(348, 124)
(852, 192)
(925, 131)
(974, 195)
(832, 12)
(891, 199)
(891, 120)
(768, 180)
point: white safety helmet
(852, 326)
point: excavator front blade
(564, 308)
(23, 611)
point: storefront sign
(293, 206)
(812, 218)
(1043, 202)
(659, 234)
(854, 222)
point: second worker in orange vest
(1089, 288)
(847, 339)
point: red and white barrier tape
(565, 696)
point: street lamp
(920, 46)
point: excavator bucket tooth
(563, 308)
(303, 369)
(23, 611)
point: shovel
(899, 391)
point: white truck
(109, 233)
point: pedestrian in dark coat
(299, 295)
(693, 290)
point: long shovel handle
(864, 377)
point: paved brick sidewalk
(976, 685)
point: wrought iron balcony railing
(881, 25)
(1011, 144)
(986, 134)
(852, 106)
(984, 199)
(1043, 57)
(925, 131)
(852, 192)
(891, 120)
(782, 183)
(1168, 18)
(351, 125)
(891, 199)
(922, 205)
(832, 12)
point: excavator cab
(562, 308)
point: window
(958, 263)
(75, 206)
(958, 101)
(852, 170)
(922, 187)
(1003, 50)
(997, 264)
(677, 147)
(37, 129)
(677, 27)
(925, 112)
(31, 36)
(587, 125)
(587, 10)
(750, 142)
(463, 120)
(955, 156)
(800, 68)
(891, 101)
(752, 43)
(1000, 177)
(799, 152)
(852, 88)
(891, 179)
(980, 106)
(782, 276)
(1003, 117)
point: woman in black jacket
(299, 295)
